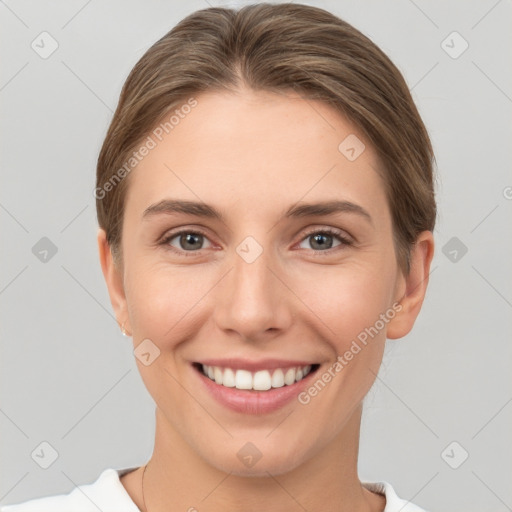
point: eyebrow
(170, 206)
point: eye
(322, 239)
(190, 241)
(185, 241)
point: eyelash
(324, 231)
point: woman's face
(265, 283)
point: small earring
(123, 331)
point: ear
(114, 280)
(412, 288)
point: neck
(178, 479)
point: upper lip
(252, 365)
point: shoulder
(393, 502)
(106, 494)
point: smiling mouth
(261, 380)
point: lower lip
(254, 402)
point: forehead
(256, 150)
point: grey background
(69, 378)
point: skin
(252, 155)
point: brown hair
(277, 47)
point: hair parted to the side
(278, 48)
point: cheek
(163, 301)
(350, 302)
(163, 304)
(346, 299)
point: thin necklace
(143, 499)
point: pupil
(317, 240)
(189, 239)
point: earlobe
(113, 279)
(415, 284)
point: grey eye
(187, 241)
(321, 241)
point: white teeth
(217, 373)
(278, 378)
(229, 378)
(289, 376)
(243, 379)
(261, 380)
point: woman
(266, 207)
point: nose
(253, 299)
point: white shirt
(108, 494)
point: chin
(250, 462)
